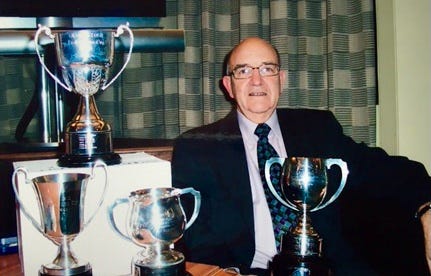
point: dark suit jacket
(369, 229)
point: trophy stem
(302, 240)
(87, 137)
(159, 260)
(302, 254)
(66, 263)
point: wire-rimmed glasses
(246, 71)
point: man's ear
(227, 83)
(282, 79)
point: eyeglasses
(246, 71)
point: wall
(404, 77)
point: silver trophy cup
(60, 198)
(303, 187)
(85, 57)
(155, 220)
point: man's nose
(256, 78)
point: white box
(107, 252)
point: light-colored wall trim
(404, 78)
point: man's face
(256, 96)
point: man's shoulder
(303, 113)
(205, 129)
(298, 119)
(226, 126)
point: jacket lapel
(240, 189)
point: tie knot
(262, 130)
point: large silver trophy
(60, 198)
(155, 220)
(85, 57)
(303, 187)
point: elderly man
(370, 229)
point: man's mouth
(260, 93)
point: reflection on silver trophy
(303, 187)
(155, 220)
(85, 57)
(60, 198)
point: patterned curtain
(17, 75)
(326, 46)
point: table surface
(10, 265)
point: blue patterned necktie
(282, 218)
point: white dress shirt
(264, 233)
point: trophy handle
(197, 196)
(344, 172)
(111, 218)
(48, 33)
(98, 163)
(120, 31)
(268, 164)
(18, 198)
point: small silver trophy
(85, 57)
(303, 187)
(60, 198)
(155, 220)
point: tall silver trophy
(303, 187)
(85, 57)
(60, 198)
(155, 220)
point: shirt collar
(248, 127)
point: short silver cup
(85, 57)
(155, 220)
(60, 198)
(303, 187)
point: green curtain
(17, 85)
(326, 46)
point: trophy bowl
(84, 57)
(60, 198)
(155, 221)
(303, 187)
